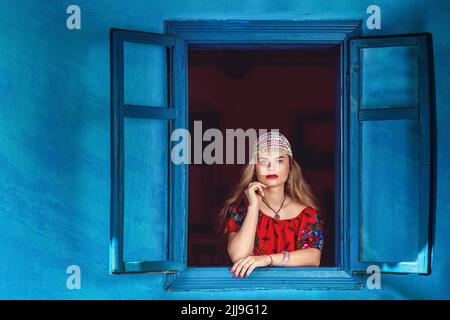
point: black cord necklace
(277, 216)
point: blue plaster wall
(55, 147)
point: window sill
(275, 278)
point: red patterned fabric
(274, 236)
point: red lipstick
(271, 176)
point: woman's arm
(241, 243)
(300, 258)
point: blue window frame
(167, 251)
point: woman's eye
(265, 161)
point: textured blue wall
(55, 147)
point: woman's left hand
(245, 266)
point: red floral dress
(274, 236)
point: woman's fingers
(235, 265)
(245, 267)
(250, 269)
(239, 268)
(257, 183)
(260, 191)
(240, 265)
(259, 187)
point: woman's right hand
(254, 193)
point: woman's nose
(272, 166)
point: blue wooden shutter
(147, 105)
(390, 153)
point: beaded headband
(271, 140)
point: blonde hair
(296, 187)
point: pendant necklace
(277, 216)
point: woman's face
(272, 168)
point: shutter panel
(390, 153)
(146, 69)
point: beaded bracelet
(285, 258)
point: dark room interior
(291, 89)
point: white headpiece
(271, 140)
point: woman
(272, 218)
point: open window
(293, 88)
(381, 202)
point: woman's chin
(272, 182)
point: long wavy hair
(295, 186)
